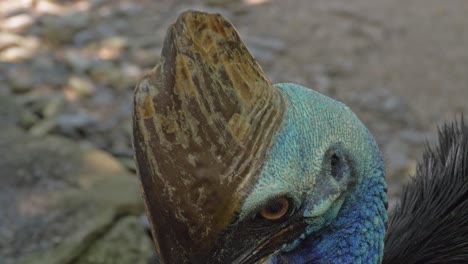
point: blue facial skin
(346, 221)
(355, 236)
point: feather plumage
(430, 225)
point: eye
(275, 209)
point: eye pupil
(275, 209)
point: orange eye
(275, 209)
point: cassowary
(235, 169)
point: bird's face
(320, 154)
(233, 168)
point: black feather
(430, 225)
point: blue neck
(356, 235)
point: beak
(270, 245)
(203, 121)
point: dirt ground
(402, 66)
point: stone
(132, 71)
(71, 123)
(17, 22)
(15, 48)
(9, 39)
(36, 102)
(145, 42)
(129, 163)
(43, 127)
(146, 57)
(27, 119)
(85, 36)
(9, 111)
(115, 42)
(14, 54)
(129, 9)
(61, 29)
(21, 80)
(394, 103)
(126, 242)
(219, 3)
(118, 78)
(54, 106)
(104, 97)
(83, 86)
(111, 48)
(59, 198)
(78, 62)
(104, 72)
(48, 71)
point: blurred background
(68, 189)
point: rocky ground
(68, 67)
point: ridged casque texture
(205, 116)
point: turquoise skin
(346, 217)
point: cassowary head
(235, 169)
